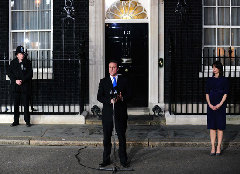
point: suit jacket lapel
(109, 82)
(119, 80)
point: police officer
(20, 74)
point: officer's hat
(19, 49)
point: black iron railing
(187, 94)
(56, 86)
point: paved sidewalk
(137, 135)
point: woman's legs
(213, 139)
(220, 137)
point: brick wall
(4, 25)
(81, 27)
(68, 76)
(4, 46)
(73, 49)
(182, 65)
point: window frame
(217, 27)
(46, 72)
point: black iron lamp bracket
(157, 111)
(96, 112)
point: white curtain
(32, 37)
(236, 16)
(223, 2)
(238, 54)
(223, 16)
(235, 2)
(209, 36)
(209, 16)
(45, 40)
(44, 19)
(209, 2)
(223, 36)
(17, 20)
(31, 21)
(235, 37)
(17, 4)
(17, 39)
(31, 4)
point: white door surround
(97, 50)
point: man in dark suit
(106, 85)
(20, 73)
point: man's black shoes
(104, 164)
(28, 124)
(125, 164)
(14, 124)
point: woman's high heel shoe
(218, 154)
(212, 154)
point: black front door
(128, 44)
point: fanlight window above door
(126, 10)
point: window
(30, 26)
(126, 10)
(221, 30)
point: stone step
(132, 120)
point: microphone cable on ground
(79, 161)
(115, 169)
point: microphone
(113, 92)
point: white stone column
(161, 51)
(96, 48)
(153, 54)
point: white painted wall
(108, 3)
(96, 48)
(153, 84)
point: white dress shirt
(116, 77)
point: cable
(115, 169)
(79, 161)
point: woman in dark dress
(216, 94)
